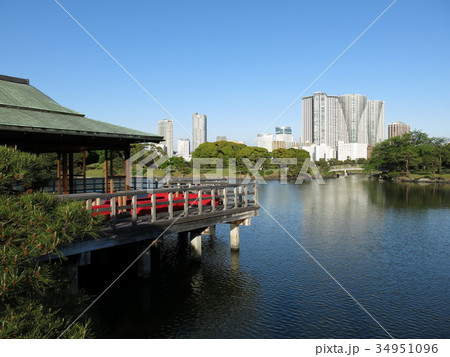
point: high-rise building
(398, 128)
(320, 114)
(265, 141)
(351, 151)
(165, 129)
(183, 149)
(350, 118)
(198, 130)
(375, 121)
(284, 133)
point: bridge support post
(196, 244)
(85, 259)
(211, 230)
(234, 235)
(345, 173)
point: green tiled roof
(25, 108)
(26, 96)
(30, 120)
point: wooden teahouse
(33, 122)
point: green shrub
(31, 293)
(21, 171)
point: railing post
(213, 200)
(200, 202)
(245, 196)
(255, 195)
(134, 209)
(112, 202)
(186, 203)
(153, 207)
(89, 205)
(225, 198)
(235, 197)
(170, 205)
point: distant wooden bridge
(182, 207)
(345, 168)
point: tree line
(411, 153)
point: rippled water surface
(386, 244)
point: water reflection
(408, 195)
(386, 243)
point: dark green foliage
(31, 293)
(177, 163)
(299, 155)
(411, 152)
(21, 171)
(227, 150)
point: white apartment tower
(198, 130)
(183, 148)
(350, 118)
(165, 129)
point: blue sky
(240, 62)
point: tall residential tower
(198, 130)
(165, 129)
(350, 118)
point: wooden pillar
(106, 171)
(234, 235)
(84, 172)
(127, 169)
(71, 178)
(196, 244)
(58, 173)
(64, 174)
(111, 172)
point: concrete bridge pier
(345, 173)
(234, 232)
(234, 235)
(84, 259)
(211, 231)
(196, 244)
(149, 262)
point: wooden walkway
(136, 216)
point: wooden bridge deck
(181, 212)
